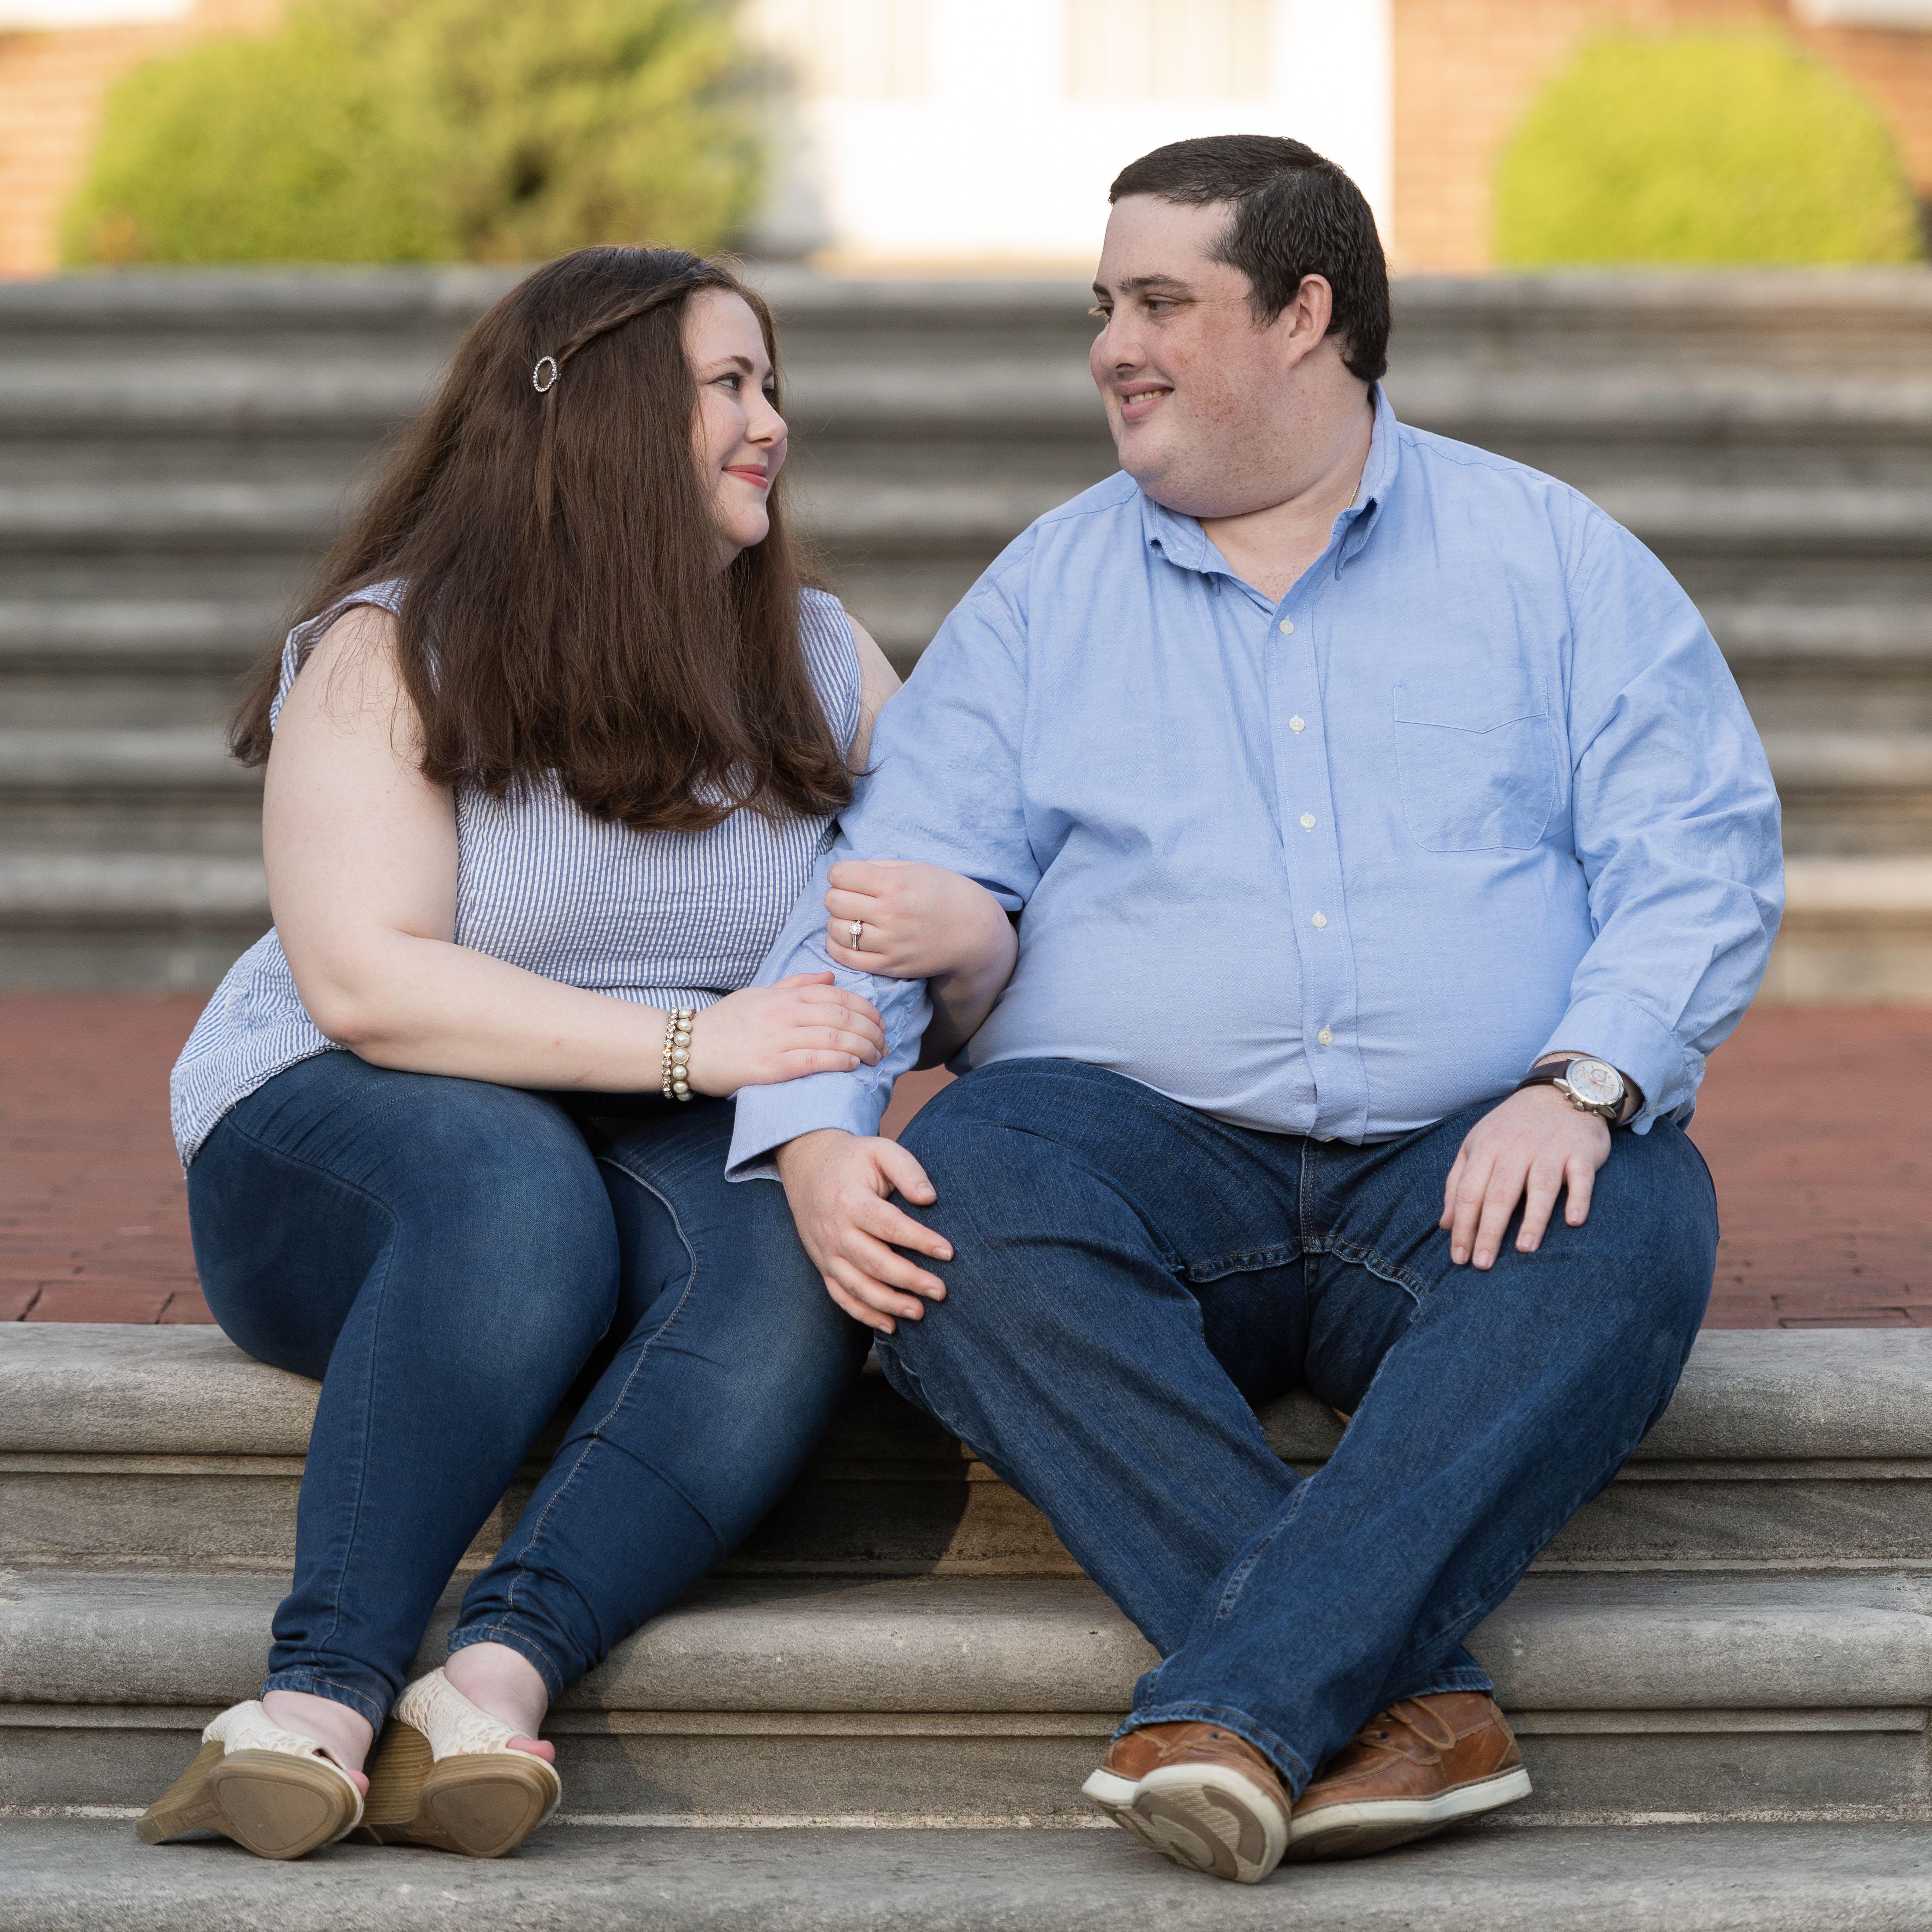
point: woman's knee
(473, 1210)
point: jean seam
(536, 1654)
(623, 1394)
(381, 1292)
(362, 1702)
(1249, 1260)
(1232, 1594)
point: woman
(551, 761)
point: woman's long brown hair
(565, 612)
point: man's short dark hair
(1296, 213)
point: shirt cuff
(1639, 1046)
(768, 1117)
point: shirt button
(1296, 724)
(1326, 1036)
(1320, 919)
(1308, 821)
(1287, 627)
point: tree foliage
(430, 130)
(1705, 147)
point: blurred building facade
(919, 135)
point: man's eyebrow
(1139, 284)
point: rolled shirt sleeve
(944, 788)
(1676, 826)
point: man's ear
(1303, 326)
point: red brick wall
(53, 86)
(1465, 70)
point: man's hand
(1529, 1149)
(840, 1187)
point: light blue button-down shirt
(1480, 786)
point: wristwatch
(1590, 1086)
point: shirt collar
(1182, 541)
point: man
(1346, 776)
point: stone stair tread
(1899, 884)
(1856, 760)
(124, 889)
(1767, 1394)
(77, 1875)
(132, 515)
(1738, 1641)
(160, 634)
(120, 757)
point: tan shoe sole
(1206, 1818)
(484, 1805)
(1378, 1824)
(278, 1805)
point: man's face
(1195, 389)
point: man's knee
(1656, 1214)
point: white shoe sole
(1206, 1818)
(1351, 1830)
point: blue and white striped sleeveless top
(668, 919)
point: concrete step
(1724, 1695)
(80, 637)
(123, 1446)
(80, 1875)
(166, 758)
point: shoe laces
(1408, 1715)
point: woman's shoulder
(821, 610)
(830, 641)
(363, 620)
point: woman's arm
(877, 681)
(360, 853)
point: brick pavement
(1817, 1122)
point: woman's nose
(767, 426)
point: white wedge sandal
(443, 1774)
(276, 1791)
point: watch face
(1592, 1080)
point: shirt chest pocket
(1477, 761)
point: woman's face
(737, 437)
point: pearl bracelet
(677, 1053)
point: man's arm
(945, 788)
(1675, 824)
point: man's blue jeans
(445, 1256)
(1130, 1276)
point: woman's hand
(921, 921)
(804, 1025)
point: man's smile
(1138, 400)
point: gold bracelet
(677, 1053)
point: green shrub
(429, 130)
(1702, 148)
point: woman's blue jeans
(446, 1256)
(1130, 1276)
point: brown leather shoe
(1424, 1763)
(1197, 1795)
